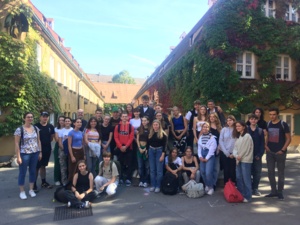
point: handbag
(193, 189)
(231, 193)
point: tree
(123, 77)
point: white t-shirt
(189, 115)
(136, 123)
(176, 161)
(64, 133)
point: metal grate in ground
(65, 213)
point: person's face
(202, 110)
(44, 119)
(115, 114)
(155, 126)
(145, 102)
(175, 112)
(61, 121)
(129, 108)
(158, 108)
(98, 114)
(136, 114)
(67, 123)
(124, 118)
(106, 120)
(239, 128)
(188, 152)
(212, 118)
(81, 167)
(205, 128)
(253, 121)
(80, 114)
(78, 124)
(230, 122)
(28, 118)
(106, 159)
(257, 113)
(93, 123)
(273, 115)
(210, 105)
(174, 153)
(151, 104)
(158, 116)
(197, 106)
(145, 122)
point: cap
(44, 114)
(115, 109)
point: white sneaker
(23, 195)
(152, 189)
(206, 189)
(87, 204)
(157, 190)
(57, 183)
(145, 185)
(31, 193)
(211, 191)
(141, 184)
(245, 200)
(69, 204)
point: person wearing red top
(123, 135)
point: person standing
(278, 139)
(189, 117)
(243, 153)
(106, 134)
(212, 108)
(145, 109)
(199, 120)
(80, 115)
(98, 115)
(47, 132)
(28, 151)
(114, 121)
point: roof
(116, 92)
(108, 78)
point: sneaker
(157, 190)
(211, 191)
(145, 185)
(245, 200)
(128, 183)
(46, 185)
(206, 189)
(87, 204)
(271, 195)
(69, 204)
(121, 181)
(32, 193)
(57, 183)
(280, 196)
(152, 189)
(256, 192)
(141, 184)
(23, 195)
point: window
(51, 119)
(289, 119)
(291, 13)
(269, 8)
(58, 73)
(245, 65)
(283, 68)
(65, 77)
(39, 55)
(52, 67)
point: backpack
(118, 165)
(281, 121)
(169, 184)
(22, 134)
(119, 128)
(59, 195)
(232, 194)
(193, 189)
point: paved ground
(133, 205)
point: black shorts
(46, 153)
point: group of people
(96, 155)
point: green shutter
(297, 124)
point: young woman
(259, 112)
(136, 123)
(75, 146)
(106, 134)
(164, 125)
(174, 165)
(81, 194)
(178, 128)
(207, 145)
(156, 147)
(199, 121)
(226, 142)
(28, 151)
(63, 150)
(129, 110)
(142, 154)
(243, 153)
(108, 175)
(190, 166)
(92, 138)
(58, 129)
(215, 129)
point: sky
(108, 36)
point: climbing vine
(208, 70)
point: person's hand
(123, 149)
(19, 160)
(257, 158)
(161, 159)
(192, 177)
(73, 159)
(267, 149)
(239, 158)
(231, 156)
(40, 156)
(279, 153)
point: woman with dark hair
(81, 194)
(190, 166)
(173, 165)
(199, 121)
(60, 125)
(28, 151)
(75, 147)
(129, 110)
(243, 153)
(164, 125)
(259, 112)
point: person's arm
(196, 163)
(199, 151)
(116, 137)
(212, 146)
(56, 136)
(180, 164)
(70, 138)
(222, 142)
(172, 128)
(195, 128)
(131, 137)
(286, 144)
(60, 143)
(85, 138)
(39, 144)
(262, 145)
(91, 180)
(17, 149)
(185, 126)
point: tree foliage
(123, 77)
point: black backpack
(59, 194)
(117, 163)
(169, 184)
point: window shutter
(297, 124)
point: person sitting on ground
(174, 165)
(108, 175)
(190, 166)
(81, 194)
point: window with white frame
(291, 13)
(245, 65)
(51, 119)
(269, 8)
(283, 67)
(65, 77)
(52, 67)
(58, 72)
(39, 55)
(289, 119)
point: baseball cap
(44, 114)
(115, 109)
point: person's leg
(185, 177)
(246, 176)
(226, 167)
(159, 168)
(99, 182)
(152, 164)
(88, 158)
(216, 170)
(232, 169)
(197, 178)
(147, 171)
(90, 197)
(271, 171)
(209, 172)
(239, 179)
(129, 164)
(203, 172)
(57, 175)
(141, 168)
(63, 167)
(256, 173)
(46, 153)
(72, 198)
(34, 157)
(280, 171)
(22, 170)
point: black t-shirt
(114, 122)
(144, 136)
(261, 124)
(46, 133)
(276, 135)
(84, 123)
(105, 131)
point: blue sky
(108, 36)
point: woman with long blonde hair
(156, 150)
(199, 121)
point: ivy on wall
(208, 70)
(23, 87)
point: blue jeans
(108, 148)
(256, 173)
(28, 160)
(216, 169)
(243, 179)
(207, 169)
(156, 167)
(143, 166)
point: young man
(114, 121)
(47, 132)
(189, 117)
(213, 108)
(98, 115)
(80, 114)
(123, 135)
(278, 139)
(258, 138)
(158, 109)
(146, 110)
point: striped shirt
(205, 138)
(92, 135)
